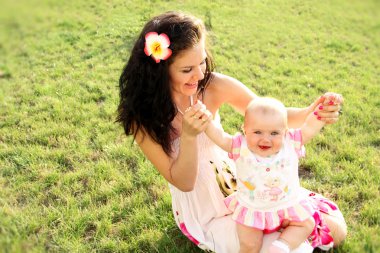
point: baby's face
(265, 132)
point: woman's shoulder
(225, 89)
(220, 84)
(216, 91)
(220, 79)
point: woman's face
(187, 69)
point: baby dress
(268, 188)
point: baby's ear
(242, 128)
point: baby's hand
(332, 98)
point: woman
(164, 90)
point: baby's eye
(257, 132)
(274, 133)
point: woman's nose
(199, 73)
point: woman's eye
(186, 70)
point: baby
(268, 189)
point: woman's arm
(225, 89)
(311, 128)
(180, 171)
(327, 107)
(297, 116)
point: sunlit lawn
(70, 181)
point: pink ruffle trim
(268, 221)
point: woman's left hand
(195, 119)
(328, 107)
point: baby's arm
(219, 137)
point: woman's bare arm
(225, 89)
(180, 171)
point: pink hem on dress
(268, 221)
(184, 230)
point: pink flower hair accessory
(157, 46)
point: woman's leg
(250, 239)
(337, 226)
(330, 217)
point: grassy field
(70, 181)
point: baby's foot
(279, 247)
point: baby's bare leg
(297, 232)
(250, 239)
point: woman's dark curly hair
(145, 93)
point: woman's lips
(192, 85)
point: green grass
(72, 182)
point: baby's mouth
(264, 147)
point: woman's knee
(309, 224)
(338, 228)
(340, 233)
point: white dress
(201, 214)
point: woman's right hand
(195, 119)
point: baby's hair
(267, 105)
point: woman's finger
(324, 114)
(206, 117)
(316, 103)
(199, 114)
(329, 120)
(192, 110)
(329, 108)
(197, 117)
(332, 98)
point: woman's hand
(195, 119)
(327, 107)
